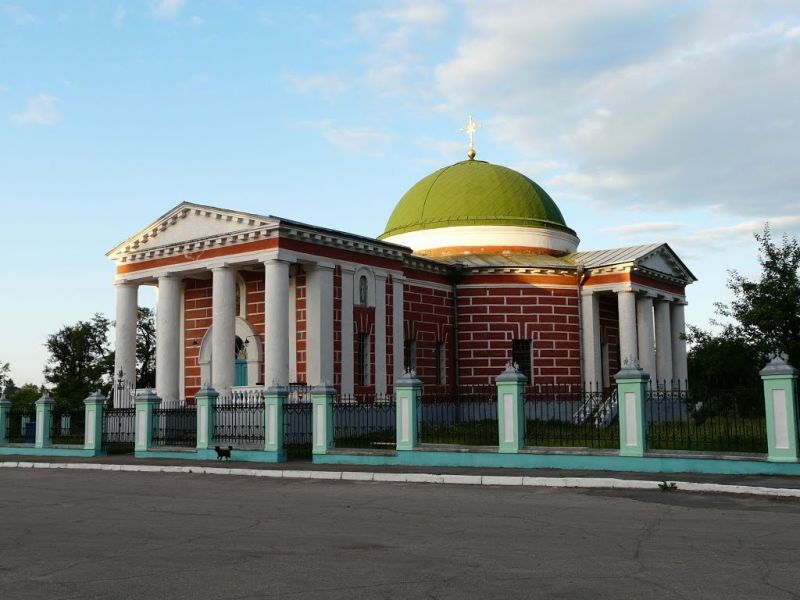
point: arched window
(362, 290)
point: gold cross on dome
(470, 130)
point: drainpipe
(580, 277)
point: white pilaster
(663, 342)
(677, 323)
(168, 339)
(125, 331)
(397, 328)
(319, 324)
(380, 333)
(590, 340)
(348, 369)
(628, 342)
(292, 319)
(276, 323)
(223, 334)
(646, 335)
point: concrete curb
(493, 480)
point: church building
(476, 267)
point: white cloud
(645, 105)
(361, 140)
(328, 85)
(41, 110)
(167, 9)
(19, 15)
(642, 230)
(119, 16)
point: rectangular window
(521, 356)
(440, 363)
(362, 368)
(410, 355)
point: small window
(363, 359)
(440, 363)
(362, 290)
(521, 356)
(410, 355)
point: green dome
(474, 192)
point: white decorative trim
(476, 236)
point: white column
(380, 333)
(644, 328)
(168, 339)
(291, 315)
(590, 340)
(663, 343)
(348, 368)
(397, 327)
(628, 342)
(276, 322)
(319, 324)
(677, 321)
(125, 331)
(223, 334)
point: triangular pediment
(663, 260)
(189, 222)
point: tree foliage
(146, 348)
(80, 361)
(764, 317)
(5, 377)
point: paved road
(139, 535)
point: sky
(646, 121)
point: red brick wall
(389, 335)
(491, 317)
(364, 324)
(337, 328)
(428, 319)
(300, 302)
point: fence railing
(119, 430)
(569, 416)
(67, 425)
(297, 434)
(706, 418)
(175, 426)
(239, 425)
(242, 395)
(467, 417)
(364, 421)
(21, 426)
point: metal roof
(612, 256)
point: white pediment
(664, 260)
(189, 222)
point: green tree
(767, 310)
(5, 377)
(146, 348)
(80, 361)
(25, 396)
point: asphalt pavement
(99, 534)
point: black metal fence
(239, 425)
(175, 426)
(119, 430)
(67, 425)
(468, 417)
(570, 416)
(364, 421)
(21, 426)
(707, 417)
(297, 417)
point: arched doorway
(247, 350)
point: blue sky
(645, 121)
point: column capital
(126, 283)
(278, 256)
(322, 266)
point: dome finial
(470, 130)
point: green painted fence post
(93, 428)
(5, 406)
(274, 399)
(146, 402)
(511, 409)
(780, 388)
(322, 399)
(632, 395)
(407, 392)
(206, 400)
(44, 414)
